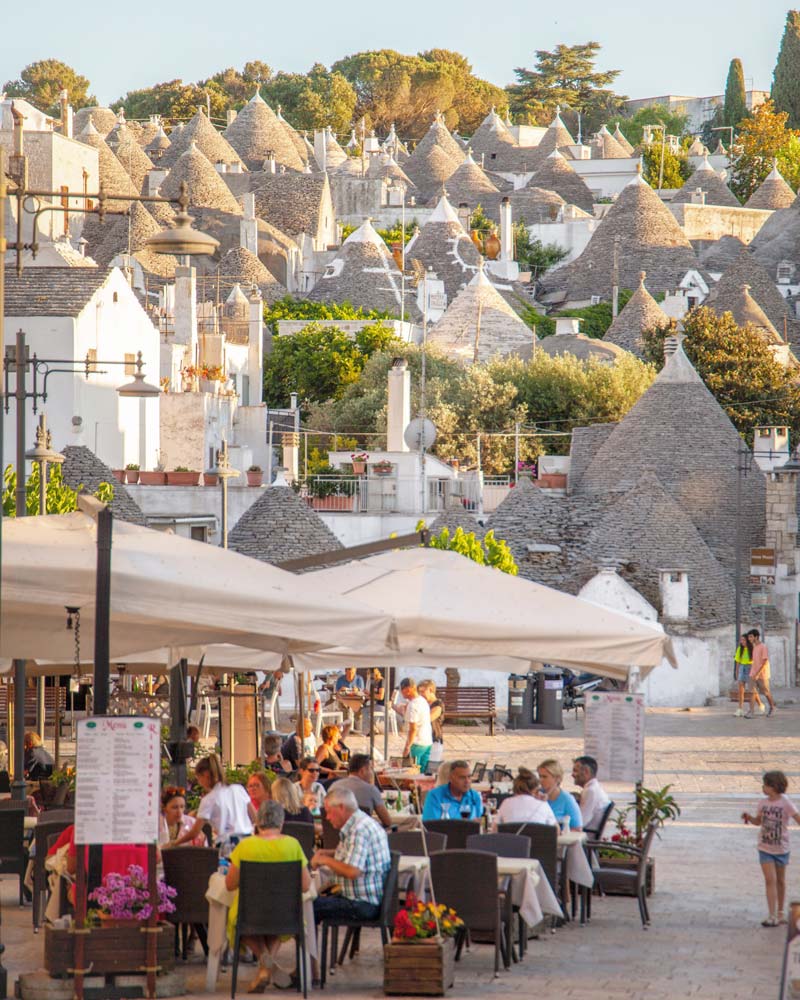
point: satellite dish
(420, 434)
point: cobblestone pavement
(705, 939)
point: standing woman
(743, 660)
(226, 807)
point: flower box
(211, 479)
(108, 949)
(332, 503)
(419, 968)
(612, 887)
(359, 468)
(183, 478)
(154, 478)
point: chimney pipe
(506, 232)
(398, 415)
(66, 115)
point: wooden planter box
(614, 888)
(107, 950)
(424, 968)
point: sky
(660, 48)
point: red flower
(431, 925)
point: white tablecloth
(219, 901)
(578, 868)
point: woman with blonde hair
(290, 797)
(551, 774)
(523, 806)
(226, 807)
(328, 752)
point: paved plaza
(705, 939)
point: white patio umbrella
(449, 611)
(166, 591)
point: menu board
(613, 734)
(118, 777)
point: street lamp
(138, 389)
(42, 454)
(225, 472)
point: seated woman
(273, 758)
(226, 807)
(38, 763)
(258, 788)
(330, 763)
(523, 806)
(267, 845)
(311, 790)
(294, 748)
(288, 794)
(173, 820)
(551, 774)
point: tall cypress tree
(735, 107)
(786, 78)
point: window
(245, 397)
(199, 533)
(91, 360)
(130, 359)
(115, 298)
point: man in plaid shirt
(359, 864)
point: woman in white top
(226, 807)
(523, 806)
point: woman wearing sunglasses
(312, 791)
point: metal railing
(388, 494)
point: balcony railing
(388, 494)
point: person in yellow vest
(743, 660)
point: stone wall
(711, 222)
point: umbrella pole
(18, 784)
(102, 612)
(387, 698)
(300, 688)
(372, 719)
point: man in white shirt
(594, 798)
(419, 734)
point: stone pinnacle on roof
(773, 193)
(623, 141)
(652, 240)
(209, 141)
(554, 173)
(707, 180)
(641, 312)
(256, 135)
(113, 178)
(206, 188)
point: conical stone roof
(136, 163)
(554, 173)
(241, 268)
(385, 166)
(711, 184)
(533, 205)
(444, 246)
(469, 185)
(295, 138)
(81, 467)
(640, 312)
(103, 119)
(480, 324)
(157, 145)
(678, 432)
(773, 193)
(438, 135)
(581, 347)
(719, 255)
(364, 274)
(207, 189)
(747, 270)
(430, 172)
(113, 177)
(745, 311)
(650, 239)
(335, 156)
(280, 526)
(606, 147)
(629, 150)
(557, 137)
(492, 139)
(120, 233)
(201, 132)
(256, 134)
(148, 132)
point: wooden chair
(633, 877)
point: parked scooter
(577, 686)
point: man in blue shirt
(455, 800)
(350, 681)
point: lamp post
(43, 455)
(225, 472)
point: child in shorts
(773, 815)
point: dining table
(577, 867)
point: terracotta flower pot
(183, 478)
(359, 468)
(119, 475)
(154, 478)
(210, 479)
(255, 478)
(132, 476)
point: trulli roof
(557, 137)
(430, 169)
(469, 185)
(292, 202)
(103, 119)
(582, 347)
(745, 311)
(136, 162)
(280, 526)
(443, 245)
(81, 467)
(201, 132)
(747, 270)
(720, 254)
(773, 192)
(711, 184)
(113, 176)
(606, 147)
(207, 189)
(241, 267)
(553, 173)
(640, 312)
(629, 150)
(256, 134)
(296, 139)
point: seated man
(594, 797)
(37, 762)
(349, 681)
(361, 782)
(358, 865)
(293, 748)
(455, 800)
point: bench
(469, 703)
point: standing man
(419, 735)
(594, 798)
(759, 673)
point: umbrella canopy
(165, 591)
(450, 611)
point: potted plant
(155, 477)
(383, 468)
(211, 479)
(359, 460)
(183, 476)
(255, 476)
(650, 804)
(119, 475)
(423, 941)
(132, 473)
(124, 900)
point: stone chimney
(280, 477)
(186, 311)
(781, 516)
(568, 325)
(248, 227)
(506, 231)
(464, 215)
(255, 349)
(231, 116)
(398, 411)
(66, 114)
(290, 441)
(771, 447)
(698, 197)
(673, 585)
(320, 149)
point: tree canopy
(654, 114)
(734, 110)
(41, 83)
(59, 499)
(487, 551)
(312, 100)
(565, 78)
(764, 138)
(738, 367)
(786, 77)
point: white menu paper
(613, 734)
(118, 780)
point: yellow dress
(261, 849)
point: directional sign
(761, 581)
(762, 562)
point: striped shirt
(363, 844)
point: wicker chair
(456, 830)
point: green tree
(738, 367)
(313, 100)
(60, 498)
(763, 138)
(41, 83)
(239, 85)
(175, 100)
(319, 362)
(674, 171)
(654, 114)
(786, 77)
(487, 551)
(289, 308)
(734, 109)
(565, 78)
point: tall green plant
(60, 498)
(786, 78)
(488, 551)
(735, 107)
